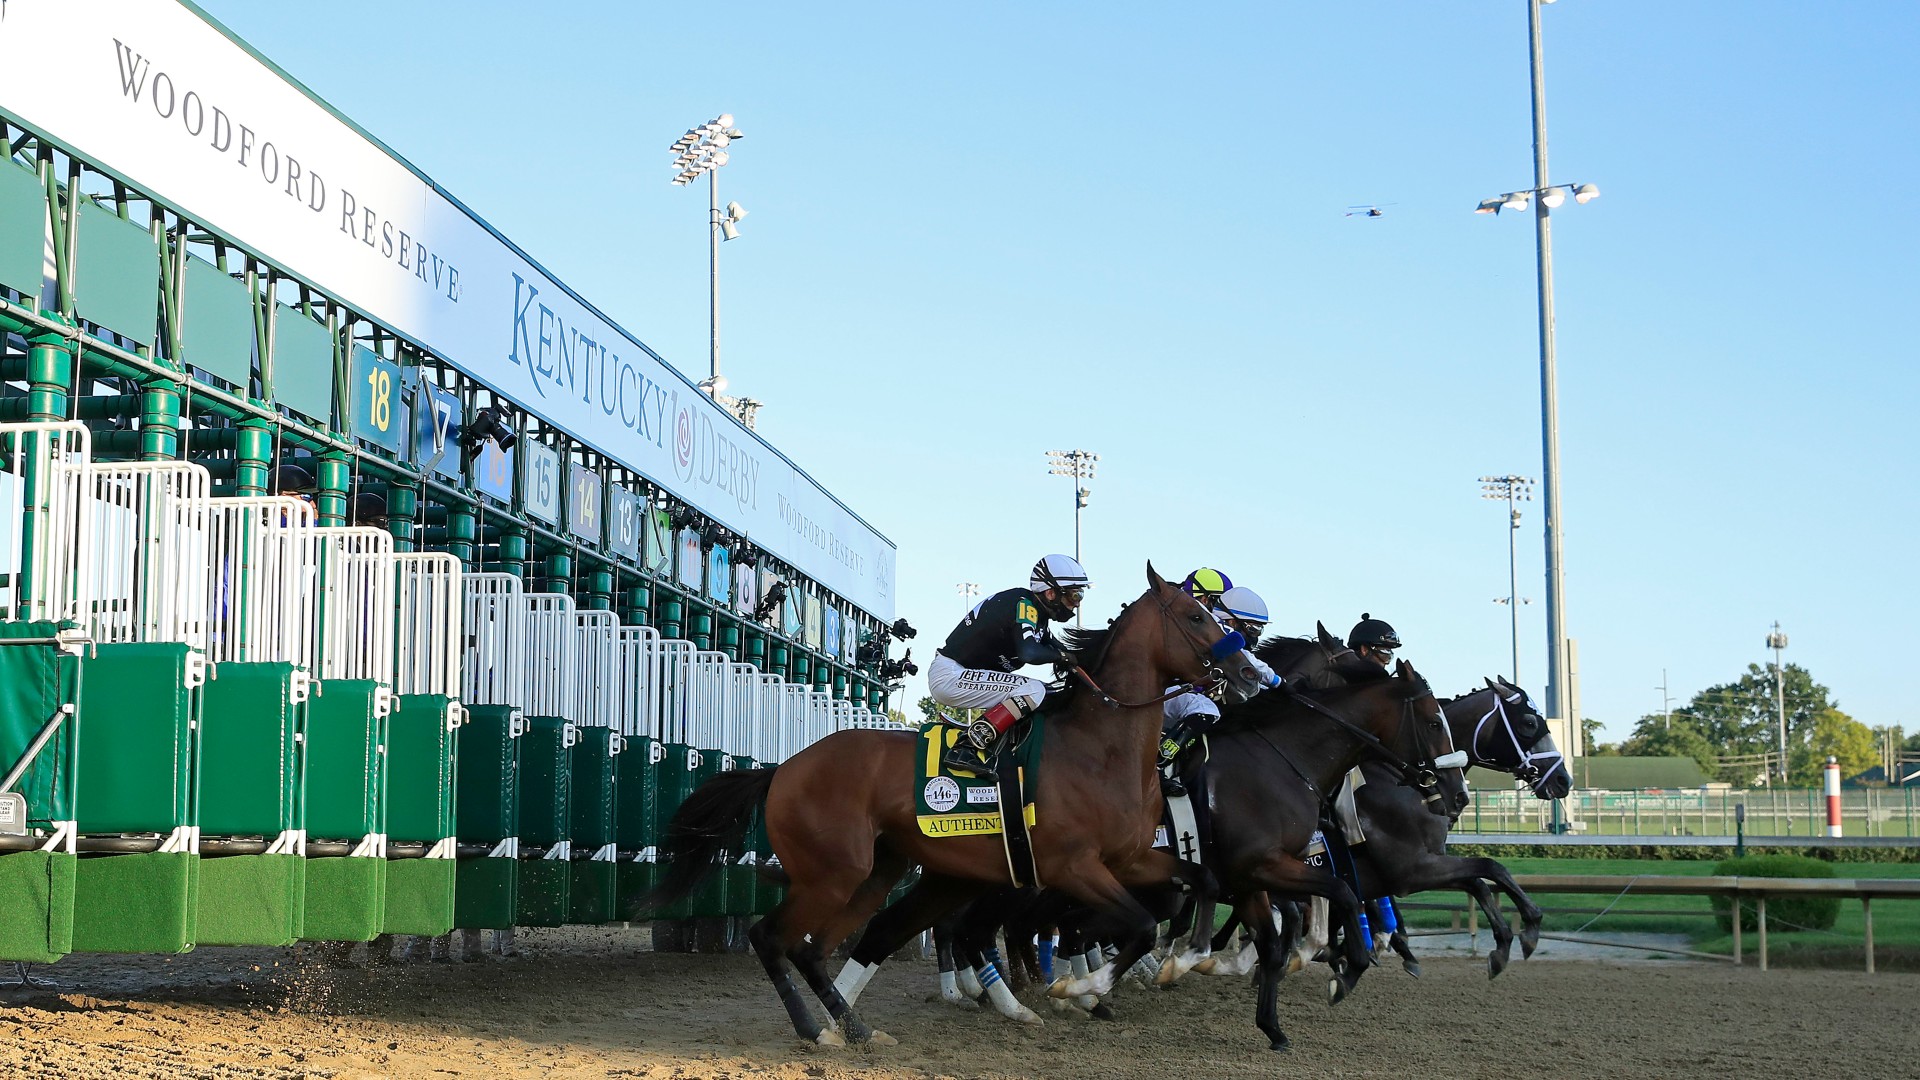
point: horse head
(1509, 734)
(1192, 645)
(1425, 740)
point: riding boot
(1172, 744)
(965, 755)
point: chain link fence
(1866, 812)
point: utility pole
(1666, 700)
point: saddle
(1186, 822)
(970, 803)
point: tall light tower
(703, 149)
(1543, 197)
(1078, 464)
(1778, 641)
(969, 592)
(1513, 489)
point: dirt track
(591, 1003)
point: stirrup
(1171, 787)
(962, 757)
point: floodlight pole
(1778, 641)
(713, 269)
(1557, 691)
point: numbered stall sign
(687, 561)
(830, 632)
(436, 428)
(624, 511)
(656, 540)
(746, 587)
(584, 491)
(493, 471)
(540, 493)
(375, 400)
(719, 574)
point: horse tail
(713, 819)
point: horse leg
(1280, 872)
(1530, 913)
(943, 932)
(1250, 913)
(1092, 884)
(929, 901)
(764, 936)
(832, 905)
(1267, 939)
(1315, 936)
(977, 941)
(1199, 889)
(1496, 921)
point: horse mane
(1261, 709)
(1088, 647)
(1280, 652)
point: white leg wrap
(950, 991)
(853, 979)
(969, 985)
(1003, 999)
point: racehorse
(840, 814)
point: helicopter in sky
(1367, 210)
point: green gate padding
(638, 769)
(23, 231)
(216, 323)
(135, 775)
(36, 682)
(250, 787)
(487, 811)
(116, 281)
(741, 876)
(677, 778)
(594, 883)
(710, 897)
(420, 767)
(545, 775)
(345, 801)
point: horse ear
(1404, 669)
(1154, 580)
(1325, 638)
(1490, 684)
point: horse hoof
(1496, 963)
(1336, 991)
(1028, 1016)
(1062, 1005)
(1059, 989)
(1280, 1045)
(1102, 1011)
(881, 1038)
(1411, 967)
(830, 1038)
(1205, 967)
(1529, 941)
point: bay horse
(840, 814)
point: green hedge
(1783, 912)
(1664, 853)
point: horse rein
(1423, 776)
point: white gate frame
(150, 555)
(429, 638)
(494, 667)
(355, 609)
(264, 558)
(58, 572)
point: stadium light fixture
(704, 150)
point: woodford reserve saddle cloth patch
(962, 804)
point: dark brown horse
(841, 816)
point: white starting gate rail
(641, 681)
(356, 607)
(494, 668)
(598, 695)
(553, 657)
(265, 558)
(46, 531)
(150, 555)
(428, 634)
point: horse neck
(1126, 676)
(1463, 715)
(1325, 751)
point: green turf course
(1896, 923)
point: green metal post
(600, 590)
(756, 649)
(639, 607)
(559, 574)
(513, 552)
(253, 455)
(702, 628)
(49, 373)
(403, 507)
(159, 420)
(777, 658)
(730, 637)
(672, 614)
(460, 525)
(330, 499)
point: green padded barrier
(420, 896)
(116, 281)
(23, 231)
(250, 787)
(676, 783)
(216, 323)
(302, 364)
(36, 922)
(593, 801)
(143, 903)
(345, 801)
(421, 761)
(487, 812)
(710, 898)
(742, 877)
(136, 740)
(545, 775)
(486, 893)
(346, 899)
(37, 683)
(638, 784)
(251, 900)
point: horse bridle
(1528, 772)
(1210, 654)
(1423, 777)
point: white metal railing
(428, 636)
(676, 688)
(597, 697)
(553, 655)
(355, 610)
(265, 557)
(494, 667)
(46, 535)
(640, 681)
(150, 554)
(712, 711)
(768, 743)
(744, 680)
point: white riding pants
(978, 688)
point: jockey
(1373, 639)
(1192, 713)
(1207, 585)
(978, 666)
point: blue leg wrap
(1045, 947)
(1389, 918)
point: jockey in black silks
(978, 667)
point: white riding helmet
(1058, 572)
(1244, 604)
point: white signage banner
(159, 94)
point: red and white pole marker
(1833, 796)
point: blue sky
(981, 232)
